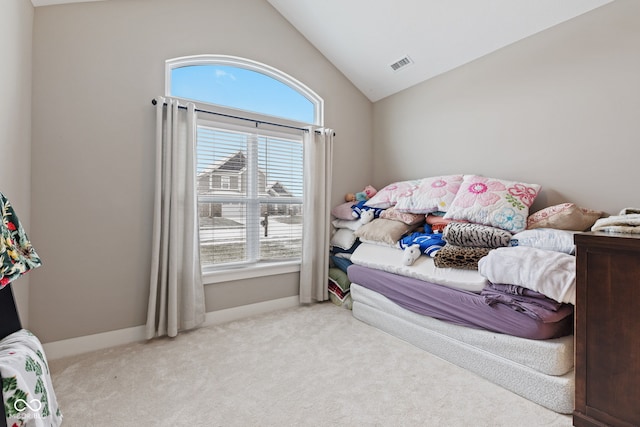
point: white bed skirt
(538, 370)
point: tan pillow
(565, 216)
(382, 230)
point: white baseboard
(85, 344)
(235, 313)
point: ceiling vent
(401, 63)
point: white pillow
(343, 238)
(550, 239)
(351, 224)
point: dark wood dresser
(607, 334)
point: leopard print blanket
(475, 235)
(452, 256)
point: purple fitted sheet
(456, 306)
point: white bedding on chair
(389, 259)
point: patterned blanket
(29, 399)
(17, 256)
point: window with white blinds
(249, 177)
(250, 189)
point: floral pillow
(430, 195)
(407, 218)
(496, 202)
(389, 195)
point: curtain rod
(257, 122)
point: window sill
(265, 269)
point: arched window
(249, 174)
(243, 84)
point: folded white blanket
(29, 399)
(548, 272)
(390, 259)
(629, 223)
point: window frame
(231, 273)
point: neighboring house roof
(277, 189)
(234, 163)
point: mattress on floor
(458, 306)
(550, 357)
(389, 259)
(519, 365)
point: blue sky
(240, 88)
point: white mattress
(389, 259)
(541, 371)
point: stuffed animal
(368, 192)
(367, 216)
(350, 197)
(361, 196)
(411, 254)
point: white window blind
(250, 189)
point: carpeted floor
(306, 366)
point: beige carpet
(307, 366)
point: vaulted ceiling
(363, 38)
(370, 40)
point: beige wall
(96, 68)
(16, 25)
(560, 108)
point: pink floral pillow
(430, 195)
(407, 218)
(495, 202)
(389, 195)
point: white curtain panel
(318, 156)
(176, 294)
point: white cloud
(222, 74)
